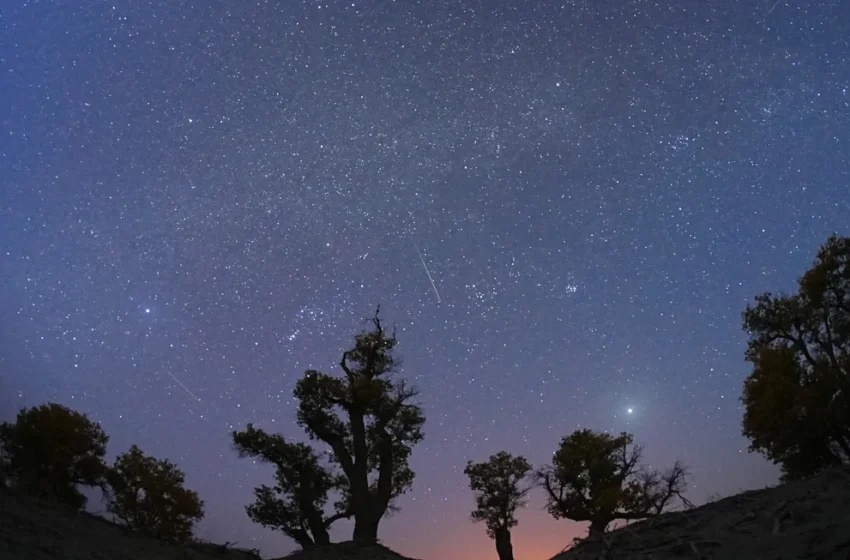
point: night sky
(200, 200)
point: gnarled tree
(369, 420)
(797, 397)
(148, 496)
(296, 504)
(50, 450)
(499, 486)
(598, 477)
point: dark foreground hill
(36, 530)
(808, 520)
(347, 551)
(33, 529)
(803, 520)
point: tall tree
(50, 450)
(148, 496)
(599, 478)
(370, 423)
(296, 504)
(797, 397)
(499, 486)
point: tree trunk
(366, 527)
(315, 523)
(320, 535)
(597, 527)
(365, 524)
(504, 548)
(302, 538)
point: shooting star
(194, 396)
(773, 8)
(425, 266)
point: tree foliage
(296, 503)
(599, 478)
(797, 397)
(50, 450)
(500, 489)
(148, 496)
(369, 420)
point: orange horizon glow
(537, 537)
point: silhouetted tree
(369, 422)
(50, 450)
(5, 466)
(148, 496)
(296, 504)
(598, 477)
(499, 486)
(797, 397)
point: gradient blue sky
(200, 200)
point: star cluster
(200, 200)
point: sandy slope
(807, 519)
(36, 530)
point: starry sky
(201, 199)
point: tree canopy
(50, 450)
(370, 422)
(148, 496)
(500, 489)
(296, 503)
(598, 477)
(797, 397)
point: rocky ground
(806, 520)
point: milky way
(563, 209)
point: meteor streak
(194, 396)
(430, 279)
(773, 8)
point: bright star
(147, 310)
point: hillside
(35, 530)
(347, 551)
(807, 519)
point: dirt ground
(37, 530)
(807, 519)
(347, 551)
